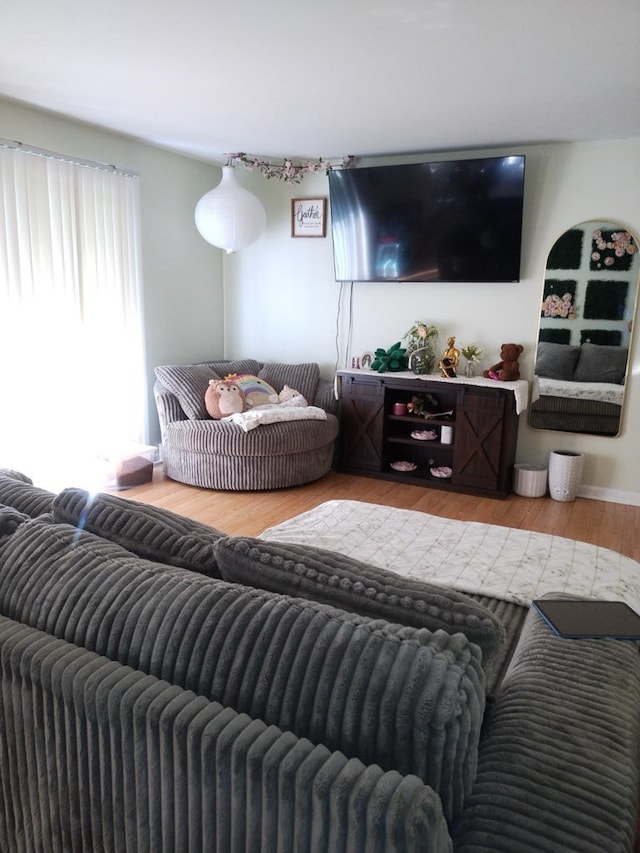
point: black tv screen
(454, 220)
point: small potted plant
(471, 353)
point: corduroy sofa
(159, 693)
(218, 454)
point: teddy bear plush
(506, 370)
(291, 397)
(223, 398)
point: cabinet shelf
(419, 423)
(415, 420)
(418, 443)
(419, 478)
(484, 422)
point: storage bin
(132, 467)
(530, 481)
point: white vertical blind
(72, 384)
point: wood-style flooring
(614, 526)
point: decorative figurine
(448, 364)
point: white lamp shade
(229, 216)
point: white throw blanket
(275, 413)
(604, 392)
(501, 562)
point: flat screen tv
(453, 220)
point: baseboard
(616, 496)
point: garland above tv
(445, 221)
(288, 171)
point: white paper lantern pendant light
(229, 216)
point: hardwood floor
(614, 526)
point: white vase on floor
(565, 474)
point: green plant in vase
(421, 341)
(471, 353)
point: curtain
(72, 378)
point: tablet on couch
(589, 618)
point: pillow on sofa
(239, 365)
(11, 474)
(17, 491)
(341, 581)
(303, 377)
(556, 361)
(601, 364)
(10, 520)
(404, 699)
(148, 531)
(189, 383)
(256, 391)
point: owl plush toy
(224, 398)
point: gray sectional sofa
(167, 687)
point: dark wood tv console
(480, 414)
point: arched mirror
(586, 319)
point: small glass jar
(419, 365)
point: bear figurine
(506, 370)
(223, 398)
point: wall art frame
(309, 217)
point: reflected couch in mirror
(586, 320)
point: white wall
(183, 294)
(281, 300)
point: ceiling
(304, 79)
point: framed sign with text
(308, 217)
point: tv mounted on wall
(446, 221)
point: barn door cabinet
(467, 442)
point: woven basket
(565, 474)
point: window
(72, 376)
